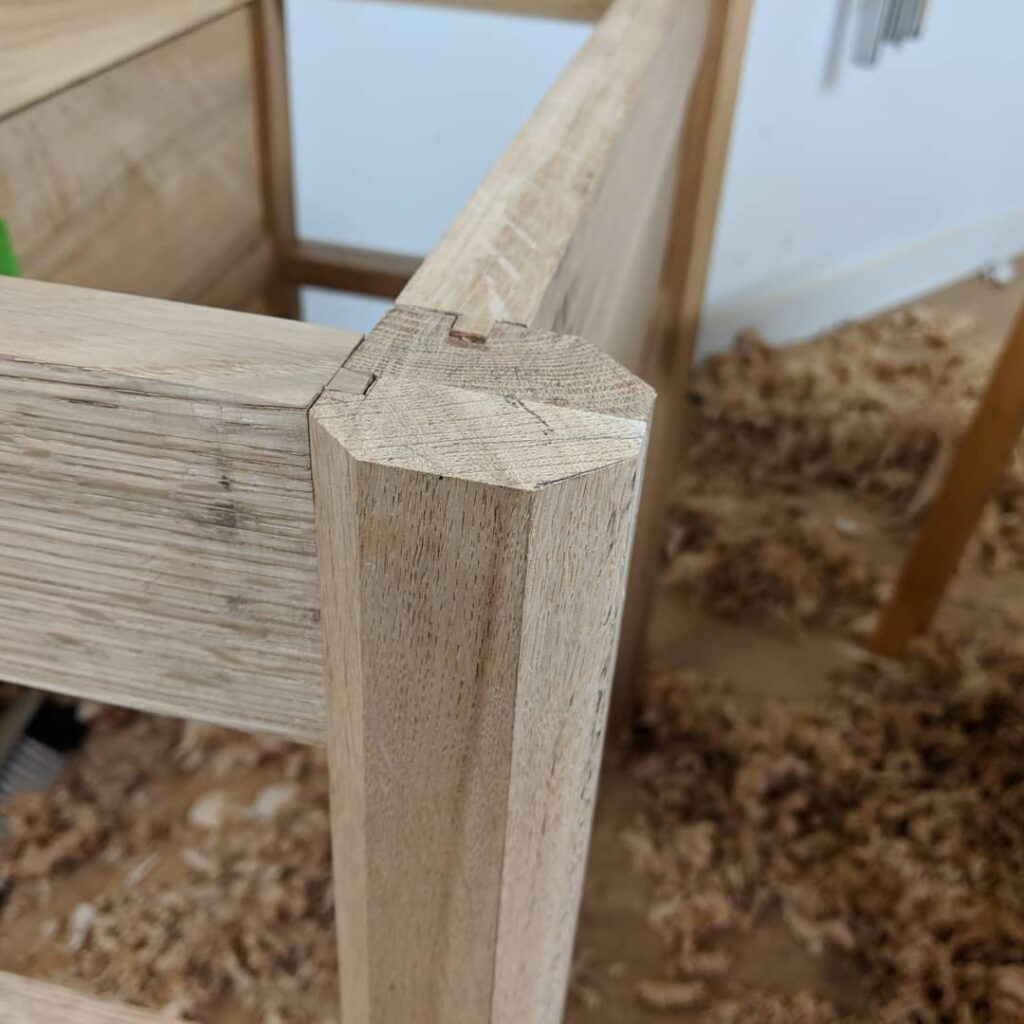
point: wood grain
(144, 179)
(275, 143)
(570, 10)
(474, 514)
(25, 1001)
(156, 517)
(982, 457)
(550, 238)
(48, 45)
(675, 322)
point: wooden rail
(194, 501)
(156, 506)
(23, 1001)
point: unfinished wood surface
(143, 179)
(572, 10)
(552, 237)
(275, 143)
(246, 283)
(48, 45)
(474, 514)
(156, 516)
(707, 134)
(24, 1001)
(668, 353)
(981, 458)
(350, 269)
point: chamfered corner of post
(478, 436)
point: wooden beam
(346, 268)
(129, 183)
(276, 141)
(598, 221)
(47, 47)
(705, 144)
(550, 238)
(157, 543)
(26, 1001)
(568, 10)
(982, 457)
(474, 514)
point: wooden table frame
(210, 514)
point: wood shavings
(873, 408)
(882, 825)
(230, 901)
(671, 995)
(888, 825)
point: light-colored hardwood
(245, 284)
(48, 45)
(599, 220)
(25, 1001)
(276, 142)
(549, 238)
(145, 178)
(347, 268)
(474, 512)
(982, 456)
(676, 322)
(156, 516)
(569, 10)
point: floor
(616, 948)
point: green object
(8, 261)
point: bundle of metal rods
(888, 21)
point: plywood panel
(144, 179)
(156, 509)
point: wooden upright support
(475, 510)
(983, 455)
(676, 323)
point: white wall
(837, 202)
(840, 202)
(398, 112)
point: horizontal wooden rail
(346, 268)
(156, 509)
(568, 231)
(570, 10)
(24, 1001)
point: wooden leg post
(705, 147)
(475, 511)
(984, 453)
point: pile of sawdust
(887, 825)
(872, 408)
(226, 901)
(744, 558)
(883, 825)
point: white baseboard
(790, 310)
